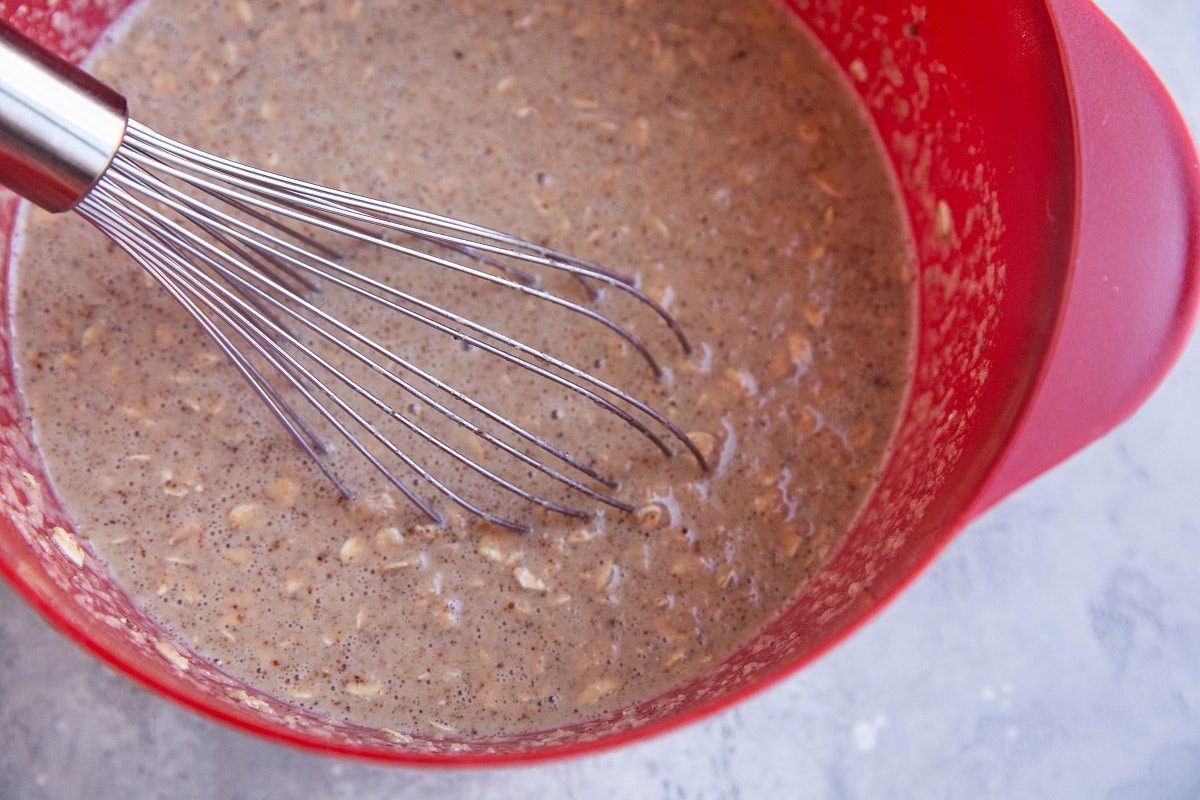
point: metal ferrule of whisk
(59, 126)
(235, 246)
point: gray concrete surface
(1053, 651)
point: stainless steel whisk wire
(248, 285)
(108, 204)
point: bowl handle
(1133, 294)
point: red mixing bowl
(1054, 197)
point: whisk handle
(59, 126)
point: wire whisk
(247, 253)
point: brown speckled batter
(707, 147)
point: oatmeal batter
(707, 147)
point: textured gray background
(1053, 651)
